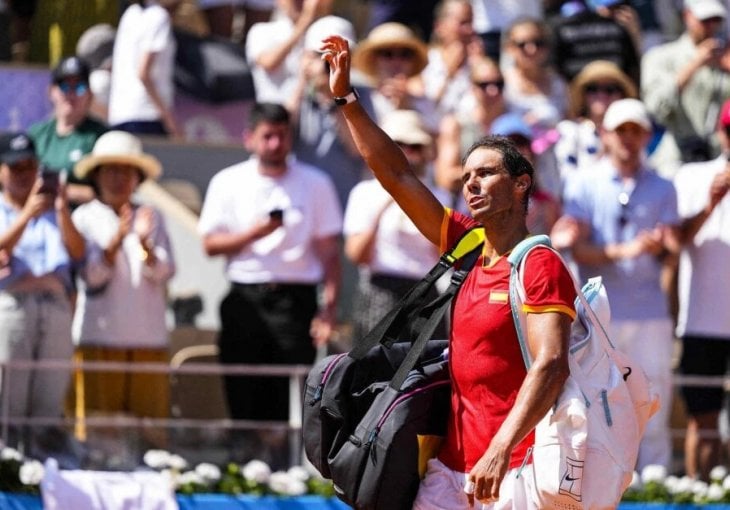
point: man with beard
(277, 221)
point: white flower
(699, 489)
(718, 473)
(190, 477)
(685, 485)
(177, 462)
(298, 473)
(715, 492)
(31, 472)
(653, 473)
(283, 483)
(726, 483)
(8, 453)
(157, 459)
(208, 472)
(257, 471)
(635, 481)
(671, 484)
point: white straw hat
(118, 147)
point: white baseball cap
(705, 9)
(325, 27)
(626, 110)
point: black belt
(270, 287)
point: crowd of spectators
(607, 98)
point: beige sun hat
(598, 70)
(118, 147)
(389, 35)
(406, 126)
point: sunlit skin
(395, 61)
(116, 183)
(625, 146)
(456, 24)
(531, 56)
(271, 142)
(69, 108)
(486, 72)
(18, 180)
(700, 30)
(597, 102)
(489, 190)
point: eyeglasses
(79, 87)
(611, 89)
(623, 200)
(490, 86)
(537, 43)
(392, 53)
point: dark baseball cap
(70, 67)
(15, 147)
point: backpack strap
(515, 260)
(389, 327)
(432, 313)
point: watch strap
(351, 97)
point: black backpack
(364, 410)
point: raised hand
(336, 52)
(144, 223)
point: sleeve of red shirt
(453, 227)
(548, 283)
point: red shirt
(487, 368)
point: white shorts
(261, 5)
(443, 489)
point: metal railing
(295, 373)
(80, 422)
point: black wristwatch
(351, 97)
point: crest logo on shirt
(499, 296)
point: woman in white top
(599, 84)
(121, 307)
(532, 88)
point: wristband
(351, 97)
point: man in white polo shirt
(278, 223)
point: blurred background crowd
(621, 106)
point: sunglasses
(489, 86)
(402, 53)
(611, 90)
(537, 43)
(80, 88)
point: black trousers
(265, 324)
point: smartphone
(276, 214)
(50, 182)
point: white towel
(102, 490)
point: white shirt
(239, 196)
(279, 84)
(400, 248)
(123, 305)
(141, 31)
(704, 281)
(496, 15)
(435, 74)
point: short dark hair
(512, 160)
(273, 113)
